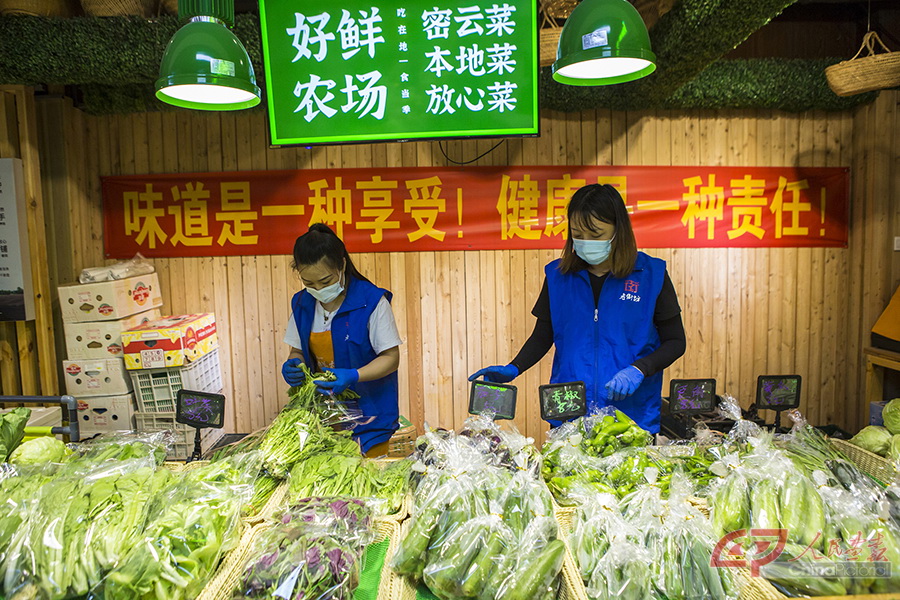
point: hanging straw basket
(40, 8)
(549, 42)
(867, 73)
(120, 8)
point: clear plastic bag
(188, 528)
(313, 551)
(80, 526)
(119, 270)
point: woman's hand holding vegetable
(344, 378)
(625, 383)
(497, 373)
(292, 372)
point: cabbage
(894, 450)
(891, 415)
(39, 450)
(874, 439)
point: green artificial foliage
(792, 85)
(115, 60)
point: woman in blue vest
(343, 323)
(611, 312)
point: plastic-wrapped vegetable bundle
(313, 552)
(609, 551)
(189, 526)
(479, 531)
(80, 526)
(856, 541)
(681, 547)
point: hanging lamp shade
(603, 42)
(205, 66)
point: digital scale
(559, 401)
(200, 410)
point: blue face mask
(593, 252)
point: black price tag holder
(778, 393)
(688, 398)
(200, 410)
(563, 401)
(692, 396)
(497, 398)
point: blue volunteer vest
(595, 341)
(353, 350)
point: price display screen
(778, 392)
(497, 398)
(692, 396)
(563, 401)
(200, 409)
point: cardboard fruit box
(170, 341)
(102, 339)
(96, 377)
(109, 300)
(105, 414)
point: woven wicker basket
(878, 468)
(403, 442)
(866, 73)
(120, 8)
(572, 587)
(549, 42)
(40, 8)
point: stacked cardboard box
(95, 315)
(165, 356)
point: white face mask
(593, 252)
(327, 293)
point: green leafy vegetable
(891, 416)
(39, 450)
(874, 439)
(12, 430)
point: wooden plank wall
(746, 312)
(27, 352)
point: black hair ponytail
(321, 243)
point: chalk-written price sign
(563, 401)
(497, 398)
(778, 392)
(692, 396)
(200, 409)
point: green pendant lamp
(205, 66)
(603, 42)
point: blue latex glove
(292, 372)
(345, 378)
(497, 373)
(624, 384)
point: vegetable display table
(877, 360)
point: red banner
(475, 208)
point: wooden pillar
(33, 371)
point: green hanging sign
(399, 70)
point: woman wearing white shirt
(343, 323)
